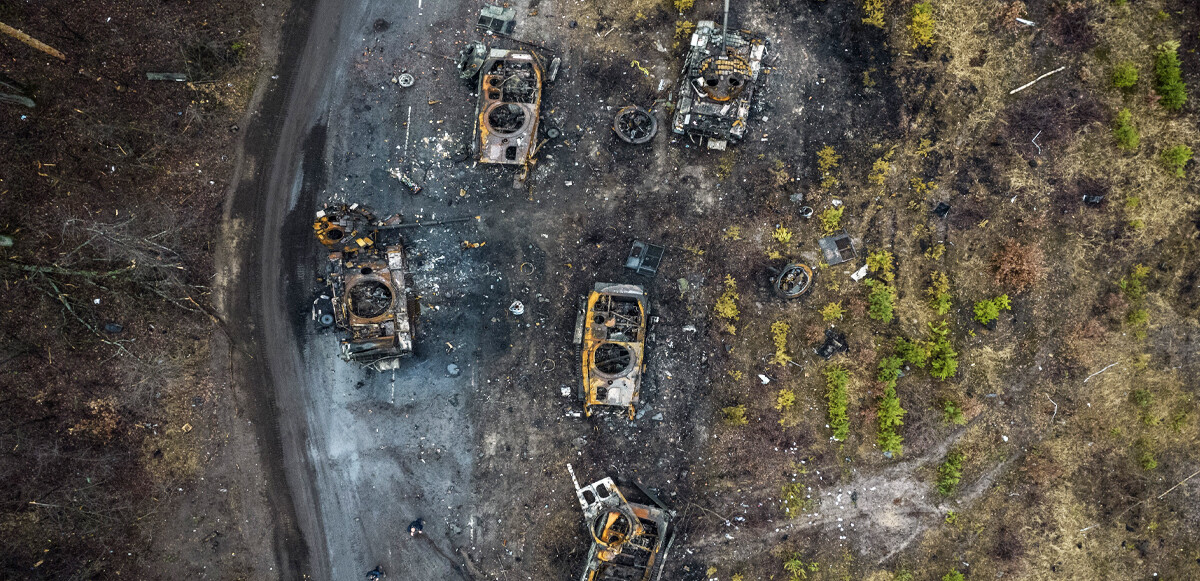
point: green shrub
(1147, 460)
(1177, 157)
(779, 332)
(920, 28)
(827, 162)
(890, 418)
(881, 262)
(798, 569)
(726, 306)
(832, 312)
(734, 415)
(949, 473)
(1125, 75)
(943, 359)
(988, 310)
(916, 353)
(939, 293)
(873, 13)
(880, 301)
(1138, 317)
(836, 396)
(1133, 285)
(1124, 131)
(952, 414)
(890, 413)
(1168, 82)
(953, 576)
(795, 499)
(831, 219)
(786, 399)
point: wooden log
(31, 41)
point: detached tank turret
(720, 76)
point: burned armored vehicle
(720, 76)
(510, 101)
(611, 330)
(367, 300)
(629, 540)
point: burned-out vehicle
(510, 101)
(611, 330)
(720, 76)
(367, 301)
(629, 540)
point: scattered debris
(720, 73)
(837, 248)
(1031, 83)
(470, 59)
(497, 19)
(113, 328)
(835, 342)
(453, 370)
(793, 281)
(644, 258)
(635, 125)
(365, 275)
(941, 209)
(408, 182)
(859, 274)
(764, 379)
(611, 329)
(405, 80)
(627, 537)
(517, 308)
(176, 77)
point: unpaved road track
(339, 516)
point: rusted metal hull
(366, 286)
(613, 338)
(628, 538)
(510, 102)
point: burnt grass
(84, 416)
(108, 170)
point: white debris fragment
(764, 379)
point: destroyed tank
(611, 330)
(367, 297)
(510, 102)
(720, 77)
(629, 540)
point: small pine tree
(1124, 131)
(1125, 75)
(1168, 81)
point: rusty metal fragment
(635, 125)
(612, 331)
(720, 76)
(365, 275)
(629, 539)
(837, 248)
(793, 281)
(510, 101)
